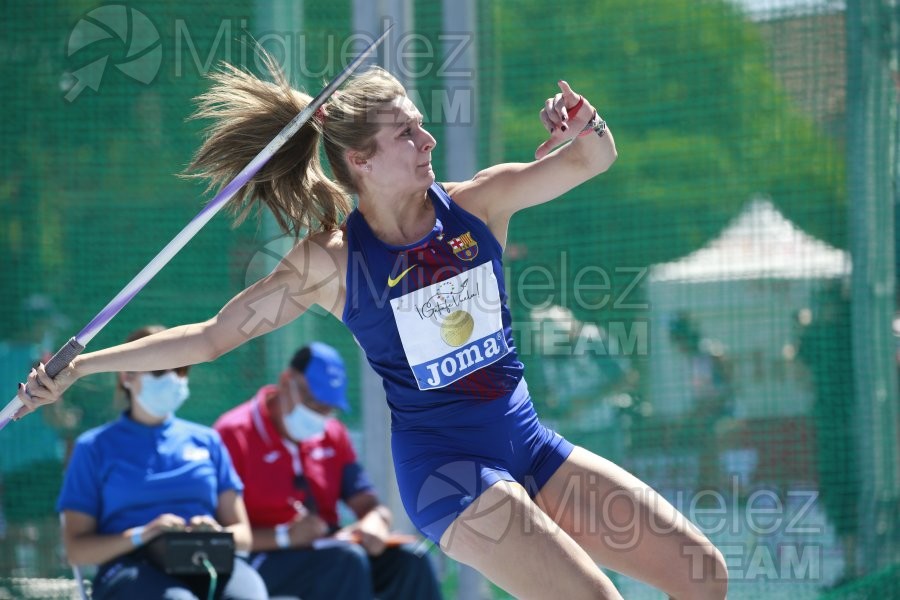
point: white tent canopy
(760, 243)
(743, 290)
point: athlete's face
(403, 156)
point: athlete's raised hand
(564, 116)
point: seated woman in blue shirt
(146, 473)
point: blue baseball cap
(324, 370)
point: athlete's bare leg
(625, 525)
(506, 537)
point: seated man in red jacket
(297, 461)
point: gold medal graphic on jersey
(457, 328)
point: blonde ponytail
(247, 112)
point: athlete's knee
(708, 578)
(717, 583)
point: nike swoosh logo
(392, 281)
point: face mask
(162, 396)
(303, 423)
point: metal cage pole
(870, 218)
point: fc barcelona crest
(464, 247)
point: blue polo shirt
(125, 474)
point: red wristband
(573, 110)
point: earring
(367, 168)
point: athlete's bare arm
(310, 274)
(497, 192)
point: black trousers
(346, 572)
(135, 578)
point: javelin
(76, 345)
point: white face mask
(303, 423)
(162, 396)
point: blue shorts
(441, 470)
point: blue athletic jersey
(432, 316)
(125, 474)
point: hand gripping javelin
(76, 345)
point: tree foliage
(700, 120)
